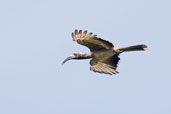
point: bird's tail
(141, 47)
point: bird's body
(104, 57)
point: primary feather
(91, 41)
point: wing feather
(91, 41)
(107, 66)
(103, 68)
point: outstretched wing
(107, 66)
(91, 41)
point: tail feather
(133, 48)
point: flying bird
(104, 57)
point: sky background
(35, 37)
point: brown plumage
(104, 57)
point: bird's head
(79, 55)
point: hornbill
(104, 57)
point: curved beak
(68, 58)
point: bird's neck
(82, 55)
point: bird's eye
(75, 54)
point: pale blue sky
(35, 37)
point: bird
(104, 57)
